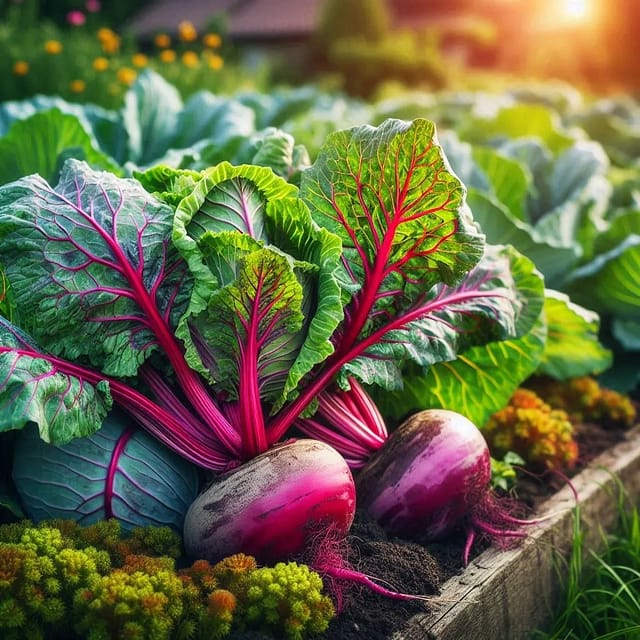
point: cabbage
(119, 471)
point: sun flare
(576, 9)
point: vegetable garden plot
(226, 307)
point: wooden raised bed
(505, 595)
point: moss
(60, 580)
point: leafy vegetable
(118, 472)
(216, 325)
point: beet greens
(217, 321)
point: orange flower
(190, 59)
(168, 55)
(111, 46)
(126, 75)
(211, 40)
(139, 60)
(100, 64)
(53, 47)
(187, 32)
(78, 86)
(215, 62)
(109, 40)
(21, 68)
(105, 34)
(162, 41)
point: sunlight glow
(576, 9)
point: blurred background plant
(82, 52)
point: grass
(602, 590)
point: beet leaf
(33, 389)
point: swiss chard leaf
(408, 242)
(33, 389)
(91, 264)
(390, 196)
(501, 298)
(250, 329)
(234, 211)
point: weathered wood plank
(507, 594)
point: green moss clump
(61, 580)
(286, 598)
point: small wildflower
(78, 86)
(126, 75)
(53, 47)
(139, 60)
(211, 40)
(93, 6)
(190, 59)
(104, 33)
(109, 40)
(162, 41)
(187, 32)
(21, 68)
(215, 62)
(168, 56)
(76, 18)
(100, 64)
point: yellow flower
(53, 47)
(100, 64)
(78, 86)
(162, 41)
(168, 55)
(139, 60)
(215, 62)
(211, 40)
(126, 75)
(190, 59)
(187, 32)
(21, 68)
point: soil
(415, 568)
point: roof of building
(245, 19)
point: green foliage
(59, 580)
(541, 435)
(401, 57)
(503, 472)
(366, 19)
(127, 604)
(287, 597)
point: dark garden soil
(414, 568)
